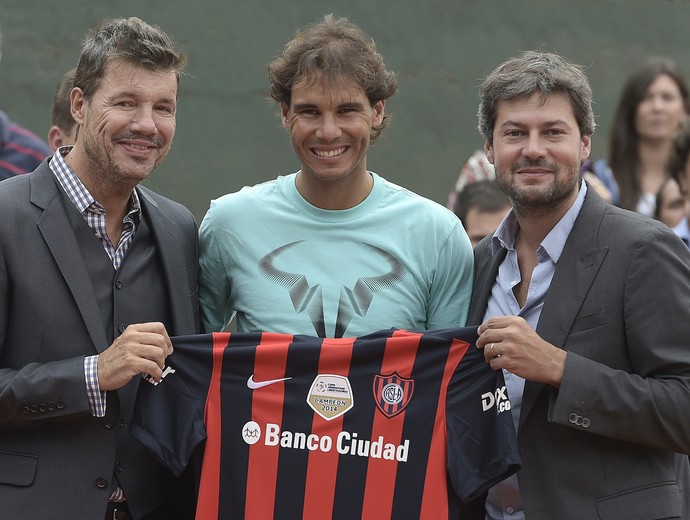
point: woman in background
(653, 105)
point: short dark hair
(129, 39)
(532, 72)
(659, 198)
(62, 110)
(680, 151)
(337, 51)
(484, 195)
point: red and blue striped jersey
(390, 425)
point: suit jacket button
(572, 418)
(108, 424)
(42, 407)
(101, 482)
(51, 406)
(121, 328)
(60, 405)
(34, 408)
(26, 410)
(586, 422)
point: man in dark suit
(96, 272)
(585, 308)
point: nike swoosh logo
(260, 384)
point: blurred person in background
(481, 206)
(671, 204)
(679, 169)
(21, 150)
(653, 104)
(475, 168)
(64, 128)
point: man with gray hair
(96, 272)
(21, 150)
(584, 307)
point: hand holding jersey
(510, 343)
(141, 349)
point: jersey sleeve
(482, 442)
(169, 416)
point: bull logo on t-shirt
(353, 301)
(392, 393)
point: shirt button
(509, 510)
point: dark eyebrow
(125, 93)
(350, 104)
(303, 106)
(555, 122)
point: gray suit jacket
(56, 460)
(602, 446)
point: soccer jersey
(390, 425)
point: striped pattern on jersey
(271, 454)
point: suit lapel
(53, 224)
(575, 273)
(169, 243)
(486, 269)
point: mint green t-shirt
(284, 265)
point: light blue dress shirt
(504, 501)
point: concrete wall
(228, 133)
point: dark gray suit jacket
(602, 446)
(56, 460)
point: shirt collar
(78, 194)
(554, 243)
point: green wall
(228, 133)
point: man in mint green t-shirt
(333, 250)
